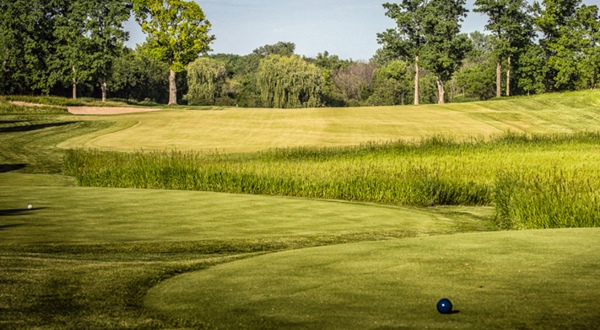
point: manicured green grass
(248, 130)
(502, 280)
(84, 257)
(91, 215)
(29, 142)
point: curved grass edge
(497, 280)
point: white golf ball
(30, 206)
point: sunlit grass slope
(245, 130)
(502, 280)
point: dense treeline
(77, 48)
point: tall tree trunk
(441, 91)
(508, 78)
(103, 88)
(417, 80)
(74, 84)
(499, 79)
(172, 87)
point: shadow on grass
(15, 212)
(4, 227)
(4, 168)
(29, 128)
(10, 121)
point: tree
(140, 76)
(407, 39)
(330, 62)
(477, 80)
(177, 34)
(355, 82)
(69, 61)
(571, 42)
(89, 36)
(575, 52)
(551, 19)
(587, 32)
(511, 26)
(281, 48)
(428, 30)
(532, 70)
(104, 28)
(289, 82)
(383, 57)
(445, 47)
(206, 78)
(391, 84)
(26, 42)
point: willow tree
(289, 82)
(206, 78)
(177, 34)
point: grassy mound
(502, 280)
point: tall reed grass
(555, 199)
(437, 171)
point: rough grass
(538, 181)
(501, 280)
(7, 108)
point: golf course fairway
(512, 280)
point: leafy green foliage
(289, 82)
(391, 85)
(281, 48)
(408, 38)
(178, 30)
(571, 33)
(206, 78)
(139, 76)
(532, 70)
(90, 35)
(512, 28)
(428, 31)
(478, 80)
(27, 40)
(178, 33)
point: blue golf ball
(444, 306)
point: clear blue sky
(347, 28)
